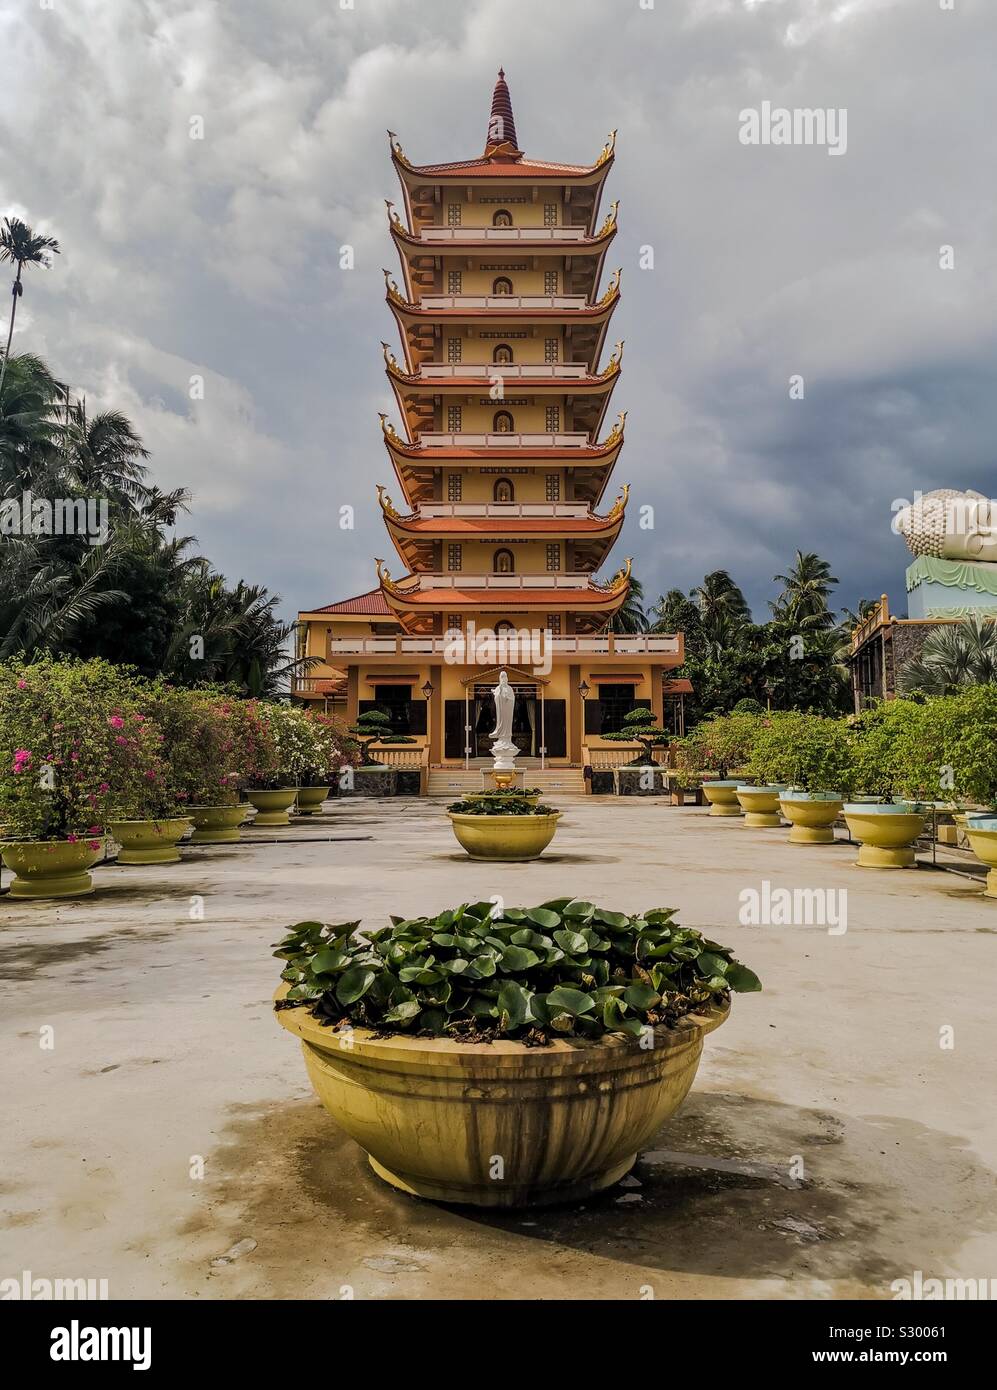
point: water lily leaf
(484, 966)
(612, 1014)
(557, 904)
(571, 1001)
(513, 1004)
(578, 908)
(516, 958)
(432, 1020)
(640, 996)
(327, 962)
(526, 937)
(741, 979)
(354, 984)
(571, 941)
(562, 1023)
(307, 990)
(457, 966)
(405, 1012)
(444, 938)
(543, 917)
(708, 963)
(617, 920)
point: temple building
(501, 513)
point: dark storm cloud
(220, 257)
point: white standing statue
(504, 751)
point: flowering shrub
(808, 752)
(74, 748)
(341, 751)
(200, 748)
(300, 747)
(722, 744)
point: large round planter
(504, 837)
(500, 1124)
(309, 800)
(149, 841)
(760, 806)
(722, 796)
(886, 833)
(272, 807)
(982, 832)
(52, 868)
(216, 825)
(811, 816)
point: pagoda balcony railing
(504, 440)
(632, 645)
(522, 371)
(500, 234)
(463, 579)
(504, 511)
(472, 302)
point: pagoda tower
(503, 459)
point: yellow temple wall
(516, 201)
(475, 349)
(527, 419)
(477, 486)
(524, 281)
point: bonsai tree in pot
(583, 1026)
(374, 726)
(509, 824)
(65, 728)
(640, 726)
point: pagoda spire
(501, 138)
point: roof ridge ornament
(613, 288)
(608, 149)
(394, 294)
(397, 151)
(387, 506)
(613, 365)
(610, 222)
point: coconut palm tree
(722, 606)
(20, 246)
(953, 656)
(805, 592)
(105, 455)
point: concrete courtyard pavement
(169, 1142)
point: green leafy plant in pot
(578, 1030)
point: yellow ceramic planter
(309, 800)
(722, 796)
(500, 1124)
(272, 806)
(886, 834)
(504, 837)
(760, 806)
(983, 842)
(216, 825)
(52, 868)
(811, 818)
(149, 841)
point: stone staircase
(455, 782)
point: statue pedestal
(516, 774)
(939, 588)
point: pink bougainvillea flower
(72, 839)
(22, 685)
(105, 786)
(121, 739)
(93, 844)
(116, 722)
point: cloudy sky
(219, 257)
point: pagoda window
(550, 282)
(554, 557)
(554, 624)
(396, 702)
(504, 625)
(551, 350)
(453, 282)
(502, 218)
(503, 491)
(502, 285)
(552, 419)
(455, 488)
(616, 702)
(454, 417)
(455, 623)
(453, 214)
(503, 422)
(454, 558)
(453, 349)
(552, 487)
(503, 353)
(550, 214)
(504, 562)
